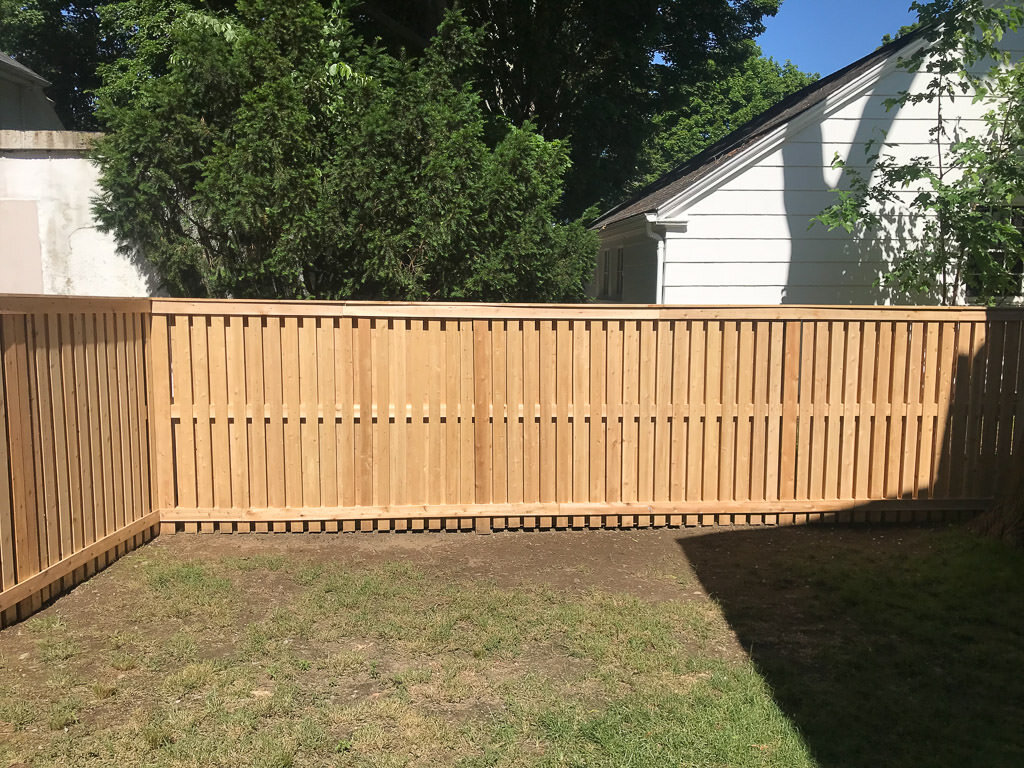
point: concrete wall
(49, 241)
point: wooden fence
(120, 415)
(313, 416)
(74, 443)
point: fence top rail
(29, 304)
(490, 311)
(22, 304)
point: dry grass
(275, 651)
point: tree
(592, 72)
(589, 72)
(965, 194)
(270, 152)
(61, 41)
(711, 110)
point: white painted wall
(51, 170)
(748, 238)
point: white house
(49, 239)
(733, 225)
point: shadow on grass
(885, 646)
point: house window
(609, 271)
(605, 268)
(618, 275)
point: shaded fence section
(74, 443)
(313, 416)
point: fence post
(161, 455)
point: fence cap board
(494, 311)
(31, 303)
(24, 303)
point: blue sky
(825, 35)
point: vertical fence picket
(7, 459)
(615, 418)
(499, 420)
(929, 409)
(865, 410)
(1007, 399)
(662, 410)
(697, 413)
(255, 405)
(362, 357)
(216, 394)
(346, 451)
(727, 490)
(712, 411)
(789, 376)
(850, 409)
(516, 411)
(646, 410)
(773, 448)
(237, 415)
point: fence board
(7, 548)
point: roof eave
(739, 141)
(15, 70)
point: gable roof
(19, 71)
(657, 193)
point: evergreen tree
(269, 152)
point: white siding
(750, 239)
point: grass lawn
(819, 647)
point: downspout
(658, 235)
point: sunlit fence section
(74, 443)
(315, 416)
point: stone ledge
(47, 141)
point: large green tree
(592, 71)
(711, 110)
(270, 152)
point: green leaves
(268, 152)
(710, 110)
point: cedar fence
(238, 416)
(75, 493)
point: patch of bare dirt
(644, 563)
